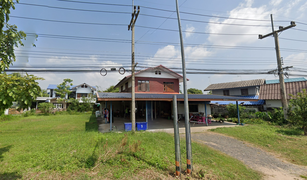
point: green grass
(69, 147)
(289, 143)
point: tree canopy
(21, 89)
(14, 87)
(111, 89)
(298, 110)
(64, 88)
(10, 37)
(194, 91)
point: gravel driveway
(255, 158)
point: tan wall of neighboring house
(273, 103)
(236, 91)
(201, 108)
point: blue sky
(219, 35)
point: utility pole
(186, 100)
(131, 25)
(283, 92)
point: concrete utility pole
(131, 25)
(186, 100)
(283, 92)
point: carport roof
(167, 97)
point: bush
(278, 117)
(233, 113)
(46, 108)
(76, 106)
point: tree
(10, 37)
(21, 89)
(298, 110)
(64, 88)
(194, 91)
(111, 89)
(44, 93)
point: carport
(151, 108)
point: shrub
(278, 117)
(46, 108)
(232, 110)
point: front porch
(159, 124)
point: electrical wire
(148, 15)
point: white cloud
(170, 56)
(303, 7)
(275, 2)
(296, 59)
(290, 6)
(190, 30)
(245, 11)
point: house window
(121, 88)
(244, 92)
(143, 86)
(158, 72)
(84, 86)
(79, 95)
(193, 108)
(226, 92)
(168, 86)
(58, 106)
(126, 85)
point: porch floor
(160, 124)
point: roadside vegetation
(69, 147)
(284, 141)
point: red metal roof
(160, 66)
(272, 91)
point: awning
(256, 101)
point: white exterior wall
(83, 90)
(236, 91)
(201, 108)
(129, 84)
(273, 103)
(152, 74)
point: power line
(112, 24)
(148, 15)
(181, 12)
(74, 9)
(298, 40)
(71, 22)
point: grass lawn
(69, 147)
(290, 144)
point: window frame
(168, 87)
(143, 85)
(244, 92)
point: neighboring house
(158, 80)
(267, 91)
(248, 89)
(77, 92)
(238, 88)
(154, 91)
(270, 92)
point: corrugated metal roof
(275, 81)
(151, 68)
(246, 103)
(52, 86)
(192, 97)
(237, 84)
(272, 91)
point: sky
(220, 36)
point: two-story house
(76, 92)
(249, 89)
(154, 91)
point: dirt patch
(254, 157)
